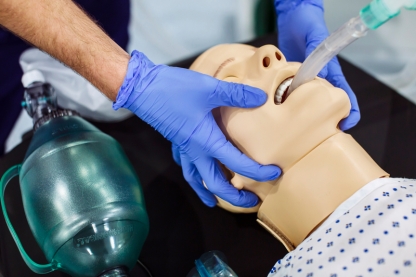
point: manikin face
(273, 134)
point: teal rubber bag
(82, 199)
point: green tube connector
(376, 14)
(411, 6)
(380, 11)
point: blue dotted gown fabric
(374, 237)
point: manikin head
(272, 134)
(322, 166)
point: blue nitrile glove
(178, 102)
(301, 28)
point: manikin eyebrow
(224, 63)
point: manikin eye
(222, 65)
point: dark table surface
(181, 227)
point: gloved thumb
(176, 155)
(237, 95)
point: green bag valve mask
(82, 199)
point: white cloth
(73, 91)
(370, 234)
(387, 53)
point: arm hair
(62, 29)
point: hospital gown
(373, 233)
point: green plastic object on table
(82, 198)
(212, 264)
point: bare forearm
(61, 29)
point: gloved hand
(177, 103)
(301, 28)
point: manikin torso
(322, 166)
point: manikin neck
(314, 187)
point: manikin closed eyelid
(222, 65)
(229, 61)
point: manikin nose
(270, 56)
(268, 60)
(265, 59)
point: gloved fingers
(324, 72)
(236, 95)
(337, 78)
(236, 161)
(176, 155)
(194, 179)
(350, 121)
(284, 6)
(217, 184)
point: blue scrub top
(112, 15)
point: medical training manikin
(334, 209)
(300, 136)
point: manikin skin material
(322, 166)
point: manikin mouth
(281, 91)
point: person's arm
(176, 102)
(62, 29)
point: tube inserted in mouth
(281, 91)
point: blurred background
(185, 27)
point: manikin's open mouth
(281, 91)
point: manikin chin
(322, 166)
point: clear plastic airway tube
(329, 48)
